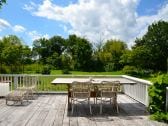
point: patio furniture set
(104, 92)
(101, 90)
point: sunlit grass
(59, 72)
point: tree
(111, 54)
(14, 53)
(155, 46)
(40, 49)
(80, 49)
(2, 2)
(49, 51)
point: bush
(4, 70)
(109, 67)
(46, 70)
(131, 70)
(160, 116)
(157, 93)
(65, 71)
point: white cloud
(35, 35)
(4, 24)
(19, 28)
(29, 7)
(109, 18)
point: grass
(59, 72)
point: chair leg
(90, 107)
(101, 106)
(72, 105)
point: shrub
(110, 67)
(131, 70)
(157, 93)
(65, 71)
(160, 116)
(4, 70)
(46, 70)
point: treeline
(150, 53)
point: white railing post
(166, 99)
(15, 82)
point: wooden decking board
(66, 117)
(60, 112)
(51, 110)
(51, 114)
(28, 113)
(34, 120)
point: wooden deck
(51, 110)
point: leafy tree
(40, 49)
(2, 2)
(49, 51)
(57, 44)
(80, 49)
(155, 46)
(14, 53)
(111, 53)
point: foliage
(157, 93)
(2, 2)
(151, 50)
(65, 71)
(111, 53)
(80, 49)
(46, 70)
(130, 70)
(14, 54)
(160, 116)
(110, 67)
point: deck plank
(58, 121)
(39, 115)
(51, 110)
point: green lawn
(59, 72)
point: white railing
(138, 91)
(18, 80)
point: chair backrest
(113, 86)
(80, 89)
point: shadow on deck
(51, 110)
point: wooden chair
(108, 93)
(80, 91)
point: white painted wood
(4, 89)
(139, 91)
(93, 80)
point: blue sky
(93, 19)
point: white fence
(138, 91)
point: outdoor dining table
(95, 81)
